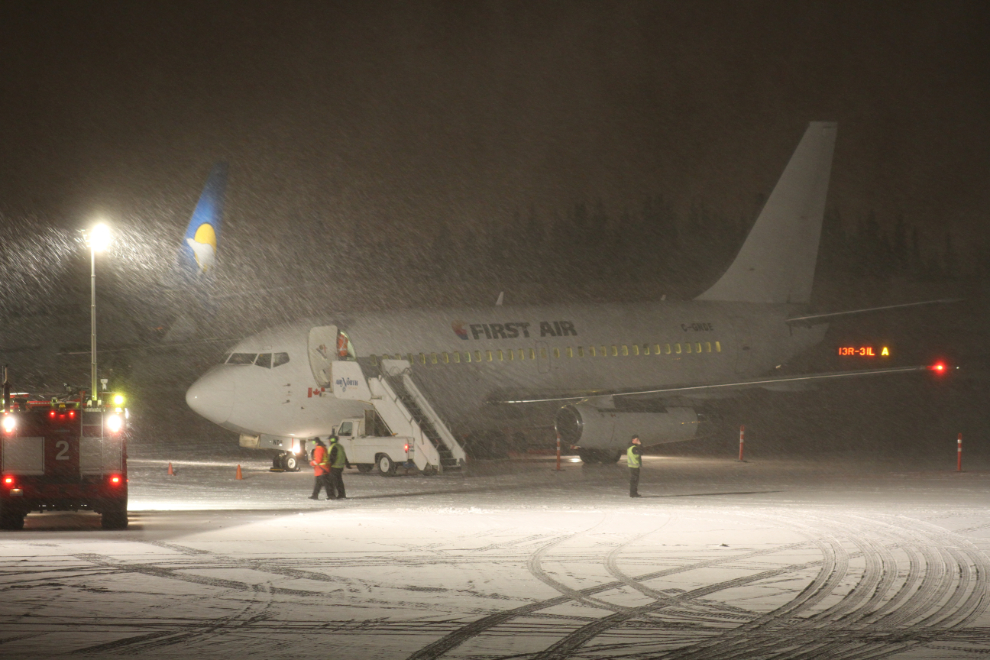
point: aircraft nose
(212, 396)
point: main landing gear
(606, 456)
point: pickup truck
(387, 452)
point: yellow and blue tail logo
(198, 253)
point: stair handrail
(395, 399)
(442, 428)
(420, 441)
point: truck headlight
(114, 423)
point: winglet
(777, 262)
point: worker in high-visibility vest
(634, 458)
(321, 470)
(338, 461)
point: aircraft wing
(815, 319)
(683, 390)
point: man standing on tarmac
(338, 461)
(634, 458)
(321, 469)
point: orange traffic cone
(170, 472)
(239, 476)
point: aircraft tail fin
(196, 260)
(198, 251)
(777, 261)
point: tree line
(653, 244)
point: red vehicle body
(61, 456)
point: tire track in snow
(452, 640)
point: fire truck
(63, 453)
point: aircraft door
(322, 353)
(542, 357)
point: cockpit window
(241, 358)
(345, 428)
(264, 360)
(280, 359)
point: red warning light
(406, 448)
(938, 367)
(8, 481)
(115, 480)
(72, 414)
(51, 413)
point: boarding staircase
(407, 412)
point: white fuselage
(464, 358)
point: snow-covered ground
(719, 559)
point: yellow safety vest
(632, 458)
(340, 458)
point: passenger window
(242, 358)
(457, 358)
(604, 351)
(467, 356)
(500, 358)
(570, 352)
(668, 349)
(422, 358)
(280, 359)
(687, 347)
(532, 354)
(677, 348)
(625, 350)
(592, 352)
(615, 351)
(580, 351)
(556, 353)
(446, 358)
(718, 347)
(264, 360)
(543, 353)
(522, 353)
(488, 354)
(636, 349)
(433, 358)
(510, 355)
(477, 356)
(697, 347)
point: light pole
(99, 239)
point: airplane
(600, 372)
(50, 341)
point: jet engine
(603, 435)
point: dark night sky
(406, 115)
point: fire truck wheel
(12, 519)
(386, 466)
(114, 515)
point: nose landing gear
(286, 462)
